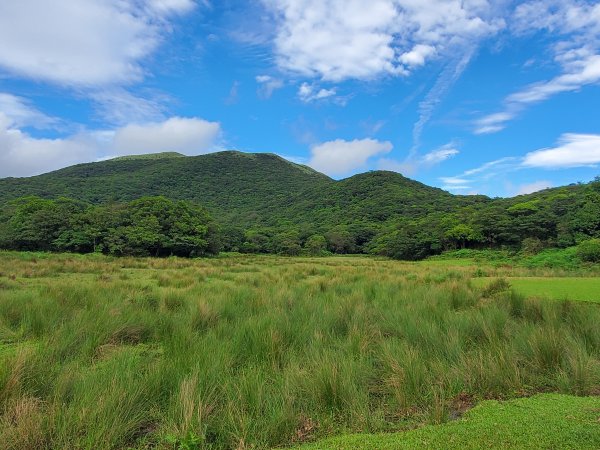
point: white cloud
(576, 24)
(268, 85)
(24, 155)
(580, 72)
(85, 42)
(530, 188)
(310, 93)
(444, 82)
(173, 6)
(21, 113)
(410, 166)
(417, 56)
(118, 106)
(439, 155)
(455, 187)
(492, 123)
(342, 39)
(573, 150)
(480, 174)
(341, 157)
(177, 134)
(454, 181)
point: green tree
(316, 245)
(462, 235)
(589, 250)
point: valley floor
(271, 352)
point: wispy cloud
(118, 106)
(576, 53)
(428, 160)
(469, 179)
(450, 74)
(268, 85)
(310, 93)
(530, 188)
(571, 150)
(439, 155)
(21, 113)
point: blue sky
(474, 96)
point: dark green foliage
(149, 226)
(265, 204)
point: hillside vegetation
(265, 204)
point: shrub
(589, 250)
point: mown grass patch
(556, 288)
(545, 421)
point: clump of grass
(496, 286)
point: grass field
(556, 288)
(260, 352)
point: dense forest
(260, 203)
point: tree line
(158, 226)
(149, 226)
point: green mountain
(241, 188)
(266, 203)
(231, 183)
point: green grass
(556, 288)
(545, 421)
(259, 352)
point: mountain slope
(232, 183)
(242, 188)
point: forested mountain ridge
(223, 180)
(242, 188)
(264, 203)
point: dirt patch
(305, 430)
(460, 405)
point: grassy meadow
(264, 351)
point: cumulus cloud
(85, 42)
(341, 157)
(177, 134)
(310, 93)
(352, 39)
(417, 56)
(573, 150)
(24, 155)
